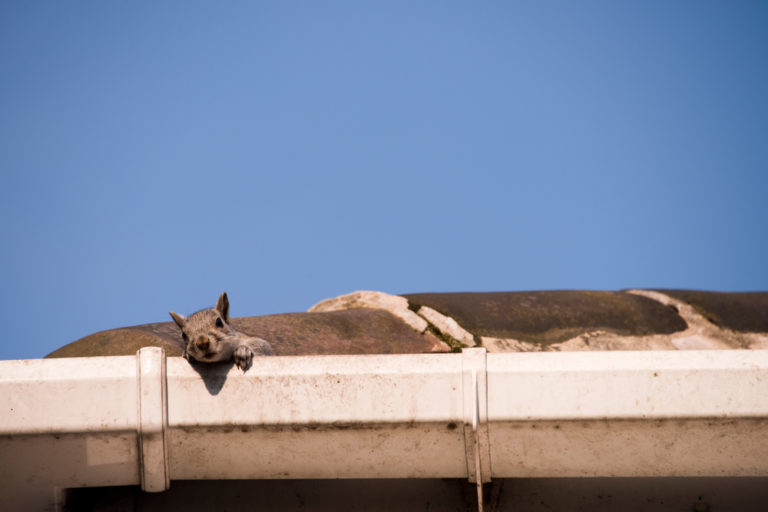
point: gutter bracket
(152, 425)
(476, 437)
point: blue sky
(154, 154)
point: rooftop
(369, 322)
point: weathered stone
(737, 311)
(447, 325)
(699, 334)
(395, 304)
(549, 317)
(492, 344)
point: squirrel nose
(203, 343)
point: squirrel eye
(219, 323)
(184, 336)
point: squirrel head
(207, 334)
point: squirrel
(209, 337)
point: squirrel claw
(243, 357)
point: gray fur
(209, 337)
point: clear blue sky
(155, 154)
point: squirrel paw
(243, 357)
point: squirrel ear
(179, 319)
(223, 306)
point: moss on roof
(738, 311)
(546, 317)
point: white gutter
(85, 422)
